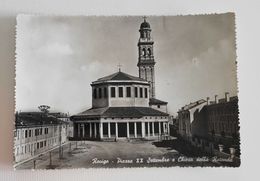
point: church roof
(120, 112)
(120, 76)
(153, 101)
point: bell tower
(146, 57)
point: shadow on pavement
(182, 147)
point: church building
(124, 106)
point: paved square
(88, 154)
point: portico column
(90, 130)
(143, 129)
(95, 130)
(148, 129)
(127, 129)
(109, 133)
(159, 128)
(101, 130)
(153, 128)
(168, 129)
(78, 130)
(83, 130)
(116, 130)
(135, 129)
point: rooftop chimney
(207, 100)
(227, 96)
(216, 99)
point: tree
(44, 108)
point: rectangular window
(100, 93)
(128, 91)
(113, 91)
(136, 92)
(18, 134)
(26, 133)
(141, 92)
(105, 92)
(94, 93)
(145, 92)
(120, 90)
(30, 133)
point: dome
(145, 25)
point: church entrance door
(122, 130)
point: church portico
(104, 129)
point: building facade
(223, 120)
(36, 133)
(188, 116)
(214, 121)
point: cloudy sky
(58, 58)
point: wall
(131, 101)
(199, 126)
(100, 102)
(120, 101)
(26, 147)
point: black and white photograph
(126, 91)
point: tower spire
(144, 17)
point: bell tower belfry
(146, 57)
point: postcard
(126, 91)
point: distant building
(188, 117)
(38, 132)
(124, 106)
(174, 126)
(223, 121)
(216, 121)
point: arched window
(149, 52)
(142, 34)
(143, 52)
(148, 35)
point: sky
(57, 57)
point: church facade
(124, 106)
